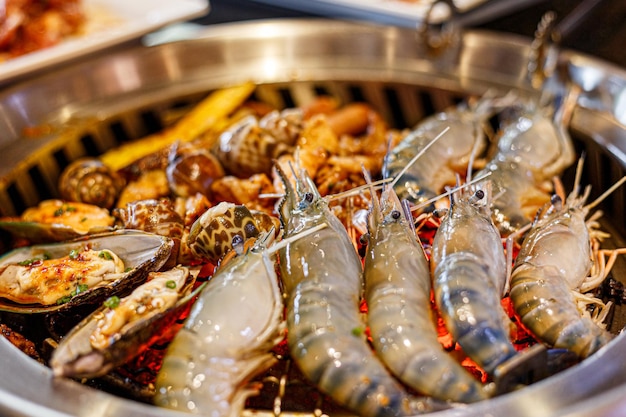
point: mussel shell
(75, 349)
(41, 232)
(141, 252)
(57, 220)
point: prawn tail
(471, 313)
(452, 383)
(556, 324)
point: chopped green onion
(357, 331)
(74, 254)
(80, 288)
(112, 302)
(105, 255)
(63, 209)
(171, 284)
(64, 300)
(27, 262)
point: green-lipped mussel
(101, 265)
(124, 327)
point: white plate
(407, 13)
(109, 22)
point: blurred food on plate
(31, 25)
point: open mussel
(124, 327)
(58, 220)
(82, 273)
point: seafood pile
(399, 272)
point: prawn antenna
(579, 172)
(357, 190)
(418, 155)
(375, 204)
(475, 147)
(605, 194)
(451, 191)
(278, 246)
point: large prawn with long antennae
(323, 280)
(553, 267)
(449, 156)
(533, 147)
(397, 291)
(469, 273)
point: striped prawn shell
(397, 291)
(547, 308)
(554, 260)
(469, 272)
(322, 279)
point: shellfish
(139, 253)
(122, 328)
(88, 180)
(211, 236)
(58, 220)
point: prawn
(533, 147)
(469, 274)
(552, 269)
(451, 154)
(397, 291)
(226, 338)
(323, 280)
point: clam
(122, 328)
(79, 273)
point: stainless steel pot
(94, 105)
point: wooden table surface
(600, 32)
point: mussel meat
(124, 327)
(58, 220)
(56, 277)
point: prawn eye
(395, 214)
(476, 197)
(440, 213)
(556, 201)
(308, 199)
(237, 242)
